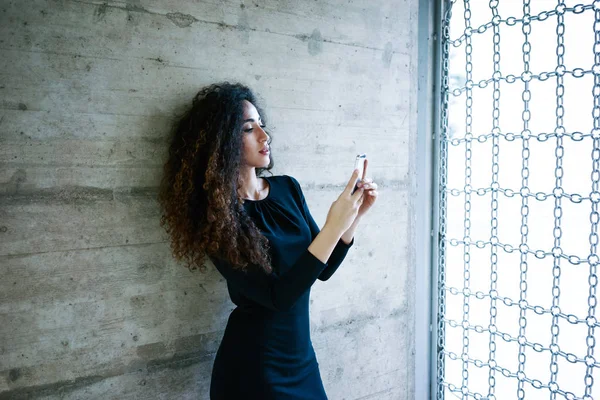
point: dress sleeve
(273, 291)
(340, 250)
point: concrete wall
(92, 304)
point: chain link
(508, 248)
(443, 179)
(558, 174)
(540, 196)
(493, 4)
(594, 217)
(560, 9)
(525, 152)
(542, 76)
(467, 204)
(571, 318)
(511, 136)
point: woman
(260, 235)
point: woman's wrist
(324, 243)
(332, 230)
(349, 234)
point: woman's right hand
(344, 210)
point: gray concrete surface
(92, 304)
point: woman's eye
(250, 129)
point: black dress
(266, 351)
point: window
(516, 252)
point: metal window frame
(428, 124)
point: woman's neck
(251, 187)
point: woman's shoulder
(286, 182)
(287, 179)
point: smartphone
(359, 163)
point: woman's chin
(265, 163)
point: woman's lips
(265, 152)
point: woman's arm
(324, 244)
(348, 236)
(341, 246)
(319, 261)
(280, 292)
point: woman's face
(256, 150)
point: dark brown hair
(201, 209)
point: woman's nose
(265, 135)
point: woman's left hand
(370, 193)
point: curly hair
(201, 208)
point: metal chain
(443, 179)
(540, 196)
(467, 204)
(511, 136)
(493, 4)
(557, 231)
(445, 353)
(594, 216)
(511, 21)
(526, 115)
(542, 76)
(508, 248)
(570, 318)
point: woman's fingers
(358, 195)
(368, 184)
(360, 200)
(351, 182)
